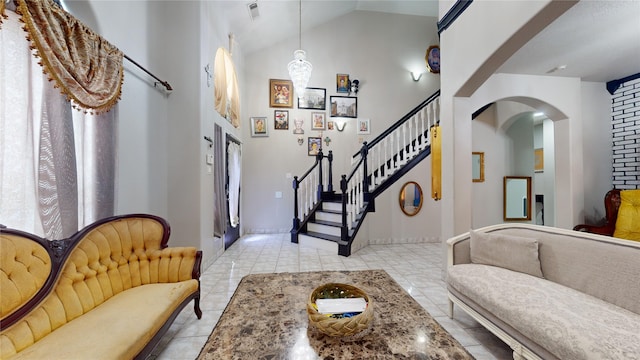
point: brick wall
(625, 121)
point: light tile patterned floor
(416, 267)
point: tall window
(57, 164)
(227, 94)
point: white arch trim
(560, 98)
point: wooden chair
(611, 206)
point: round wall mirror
(411, 198)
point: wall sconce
(354, 86)
(416, 76)
(340, 124)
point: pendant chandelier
(299, 67)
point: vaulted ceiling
(596, 40)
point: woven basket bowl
(339, 327)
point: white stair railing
(387, 155)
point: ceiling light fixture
(299, 67)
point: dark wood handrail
(399, 123)
(309, 171)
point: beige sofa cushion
(137, 313)
(566, 322)
(507, 251)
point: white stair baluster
(398, 147)
(411, 126)
(374, 166)
(386, 157)
(420, 129)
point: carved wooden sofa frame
(611, 207)
(35, 272)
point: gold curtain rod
(164, 83)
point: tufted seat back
(25, 267)
(105, 260)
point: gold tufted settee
(110, 291)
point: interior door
(232, 187)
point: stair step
(324, 227)
(318, 241)
(332, 206)
(328, 223)
(322, 215)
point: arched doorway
(514, 136)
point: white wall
(472, 49)
(377, 49)
(214, 34)
(597, 138)
(487, 195)
(161, 150)
(141, 182)
(560, 99)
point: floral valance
(85, 67)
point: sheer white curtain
(233, 154)
(56, 173)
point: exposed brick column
(625, 122)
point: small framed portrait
(314, 145)
(314, 98)
(281, 120)
(318, 121)
(364, 127)
(344, 106)
(538, 165)
(342, 83)
(330, 125)
(259, 127)
(433, 59)
(280, 93)
(297, 123)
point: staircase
(329, 219)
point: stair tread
(327, 223)
(324, 236)
(329, 211)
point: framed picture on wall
(342, 83)
(314, 145)
(364, 127)
(318, 121)
(259, 127)
(280, 93)
(314, 98)
(538, 165)
(344, 106)
(281, 120)
(432, 58)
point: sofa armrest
(459, 250)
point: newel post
(365, 177)
(296, 220)
(330, 185)
(319, 158)
(344, 230)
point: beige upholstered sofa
(549, 293)
(108, 292)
